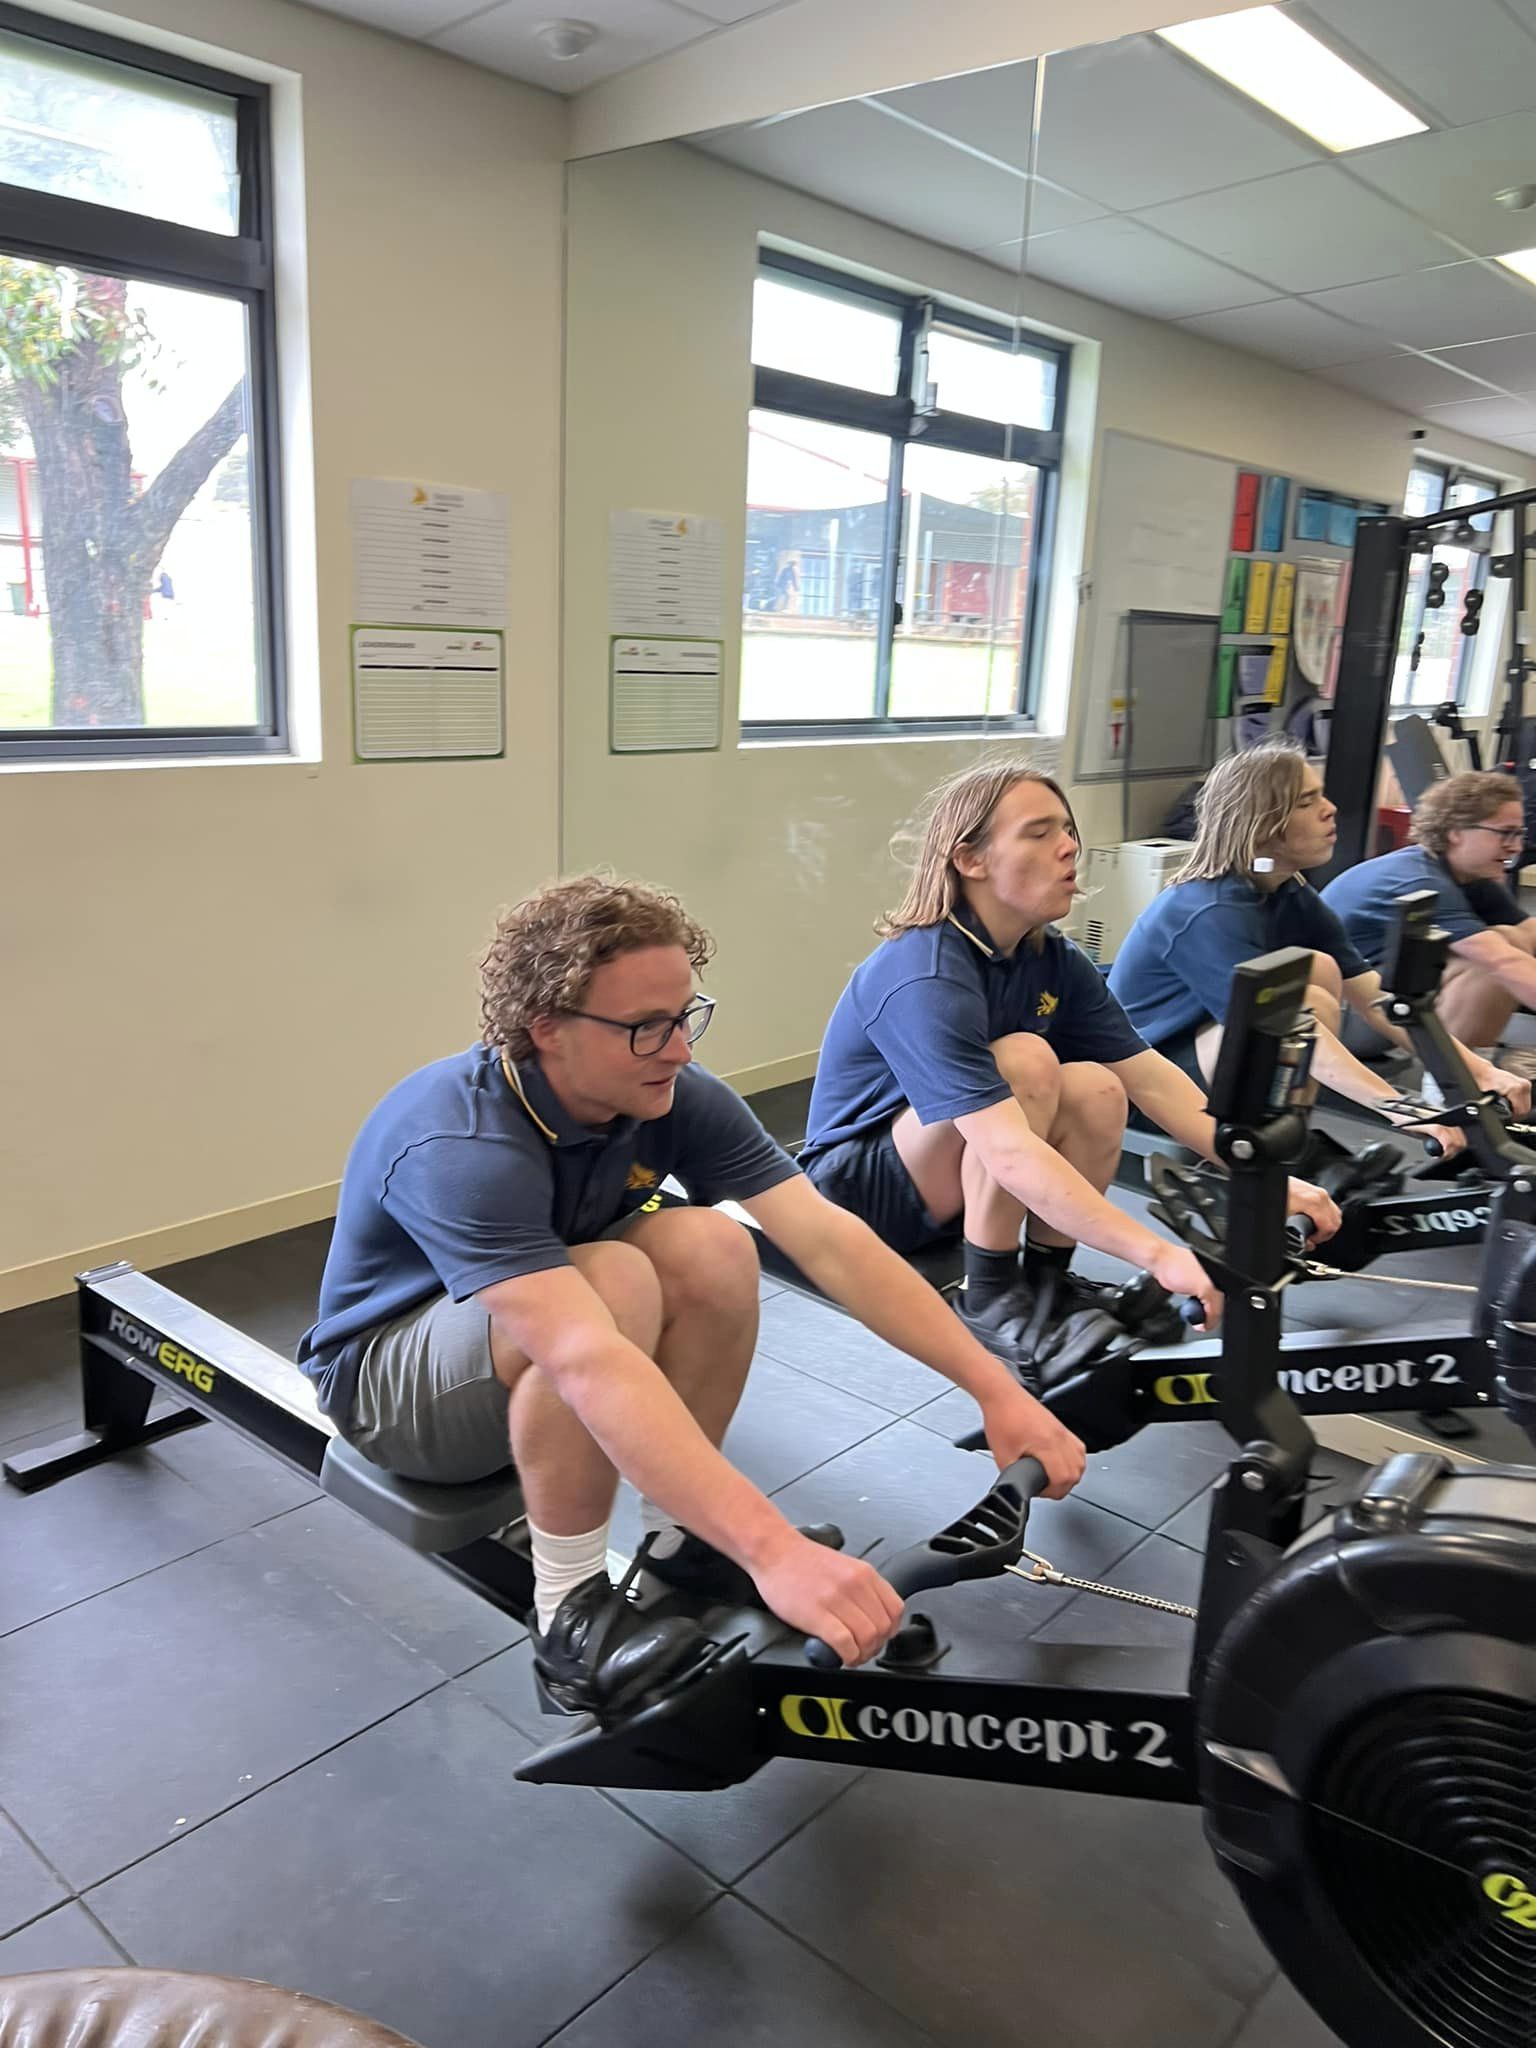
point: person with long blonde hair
(1262, 820)
(976, 1070)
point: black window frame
(118, 242)
(899, 417)
(1448, 475)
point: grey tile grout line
(47, 1862)
(245, 1798)
(841, 1970)
(1229, 2040)
(639, 1964)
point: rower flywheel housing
(1368, 1764)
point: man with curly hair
(1466, 830)
(505, 1269)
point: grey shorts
(428, 1403)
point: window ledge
(63, 764)
(757, 738)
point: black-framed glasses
(1511, 835)
(654, 1034)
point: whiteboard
(1165, 526)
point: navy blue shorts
(866, 1176)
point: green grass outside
(197, 671)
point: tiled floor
(241, 1731)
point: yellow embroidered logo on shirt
(641, 1176)
(1046, 1007)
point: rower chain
(1045, 1574)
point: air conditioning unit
(1121, 881)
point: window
(139, 572)
(1434, 657)
(902, 462)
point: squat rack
(1372, 623)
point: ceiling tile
(629, 31)
(1525, 9)
(1449, 178)
(1306, 230)
(724, 11)
(1526, 442)
(1469, 62)
(1288, 331)
(1130, 124)
(1454, 302)
(991, 110)
(1049, 210)
(1488, 418)
(401, 17)
(1407, 381)
(1128, 265)
(1509, 364)
(855, 156)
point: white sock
(561, 1564)
(1432, 1092)
(655, 1521)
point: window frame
(899, 417)
(1448, 476)
(117, 242)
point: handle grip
(1192, 1311)
(977, 1546)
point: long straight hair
(959, 816)
(1242, 808)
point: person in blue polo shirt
(976, 1069)
(1466, 828)
(1262, 821)
(505, 1270)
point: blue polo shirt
(1174, 971)
(1365, 898)
(470, 1172)
(916, 1022)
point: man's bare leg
(1472, 1005)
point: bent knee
(1027, 1063)
(1325, 975)
(1325, 1005)
(628, 1285)
(702, 1259)
(1092, 1094)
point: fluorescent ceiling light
(1276, 62)
(1523, 263)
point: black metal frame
(1372, 630)
(897, 416)
(119, 243)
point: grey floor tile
(97, 1529)
(39, 1342)
(410, 1877)
(1283, 2019)
(727, 1832)
(140, 1713)
(249, 1481)
(27, 1886)
(731, 1977)
(1154, 1474)
(953, 1414)
(978, 1912)
(790, 1421)
(1191, 1524)
(66, 1940)
(830, 1346)
(409, 1597)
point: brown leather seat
(166, 2009)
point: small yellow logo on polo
(1046, 1007)
(641, 1176)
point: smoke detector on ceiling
(564, 40)
(1517, 198)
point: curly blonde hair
(547, 948)
(1458, 802)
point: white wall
(211, 973)
(784, 850)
